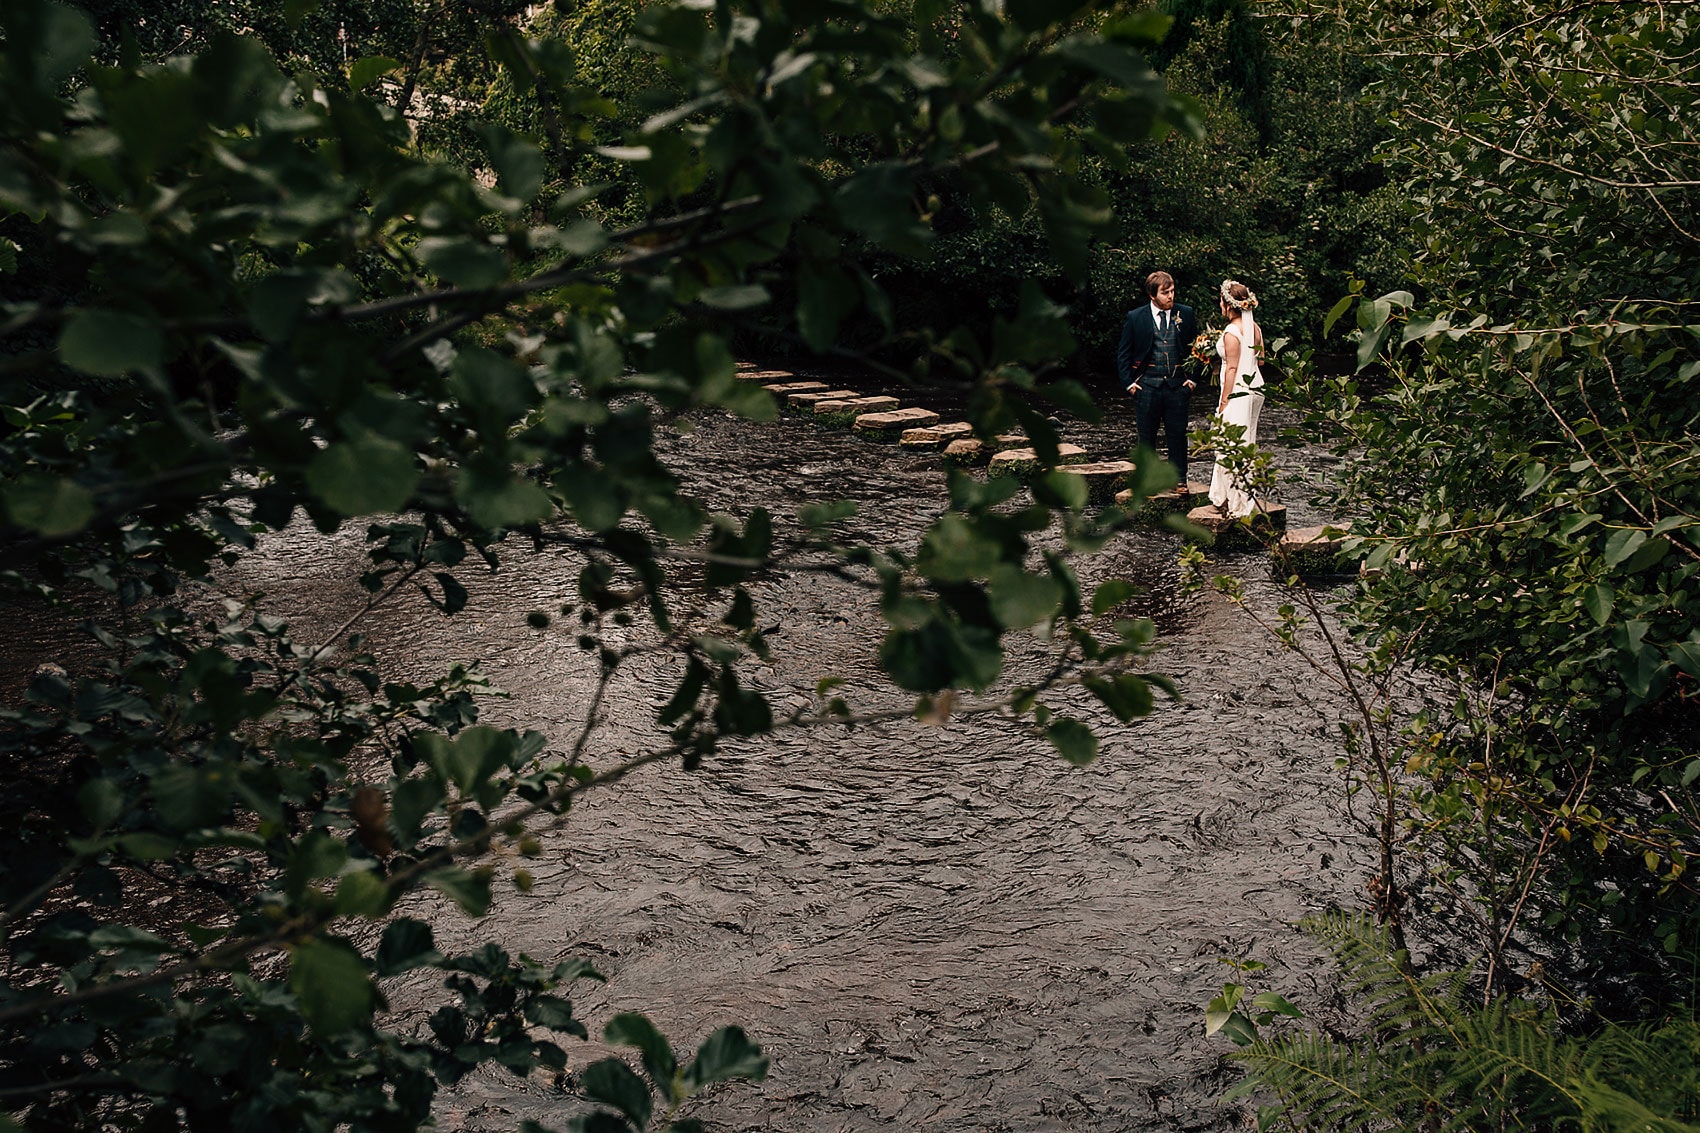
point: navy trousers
(1164, 407)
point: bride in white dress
(1239, 347)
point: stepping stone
(934, 437)
(754, 375)
(967, 452)
(890, 426)
(1166, 503)
(1255, 528)
(1104, 478)
(1023, 463)
(805, 402)
(1309, 551)
(842, 414)
(1004, 441)
(783, 389)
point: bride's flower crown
(1249, 303)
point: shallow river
(926, 927)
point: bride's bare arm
(1230, 366)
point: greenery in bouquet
(1204, 346)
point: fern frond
(1331, 1085)
(1397, 1001)
(1432, 1061)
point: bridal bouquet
(1204, 346)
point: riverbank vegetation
(453, 266)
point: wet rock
(1023, 463)
(842, 414)
(890, 426)
(1181, 498)
(967, 452)
(1319, 549)
(934, 437)
(1104, 478)
(806, 402)
(1255, 530)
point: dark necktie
(1165, 327)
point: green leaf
(129, 939)
(1111, 594)
(101, 802)
(1269, 1001)
(316, 854)
(1685, 655)
(1020, 599)
(368, 475)
(471, 758)
(1369, 346)
(466, 889)
(329, 980)
(51, 506)
(877, 201)
(407, 944)
(1126, 694)
(362, 73)
(454, 594)
(497, 389)
(825, 295)
(497, 498)
(412, 800)
(1623, 543)
(362, 893)
(596, 498)
(954, 550)
(1070, 395)
(192, 796)
(735, 297)
(111, 343)
(1240, 1029)
(1599, 600)
(62, 42)
(613, 1083)
(725, 1056)
(463, 261)
(1073, 740)
(555, 1013)
(1058, 487)
(518, 163)
(1217, 1011)
(632, 1029)
(148, 847)
(939, 653)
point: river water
(927, 927)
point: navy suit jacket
(1139, 334)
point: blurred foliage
(260, 285)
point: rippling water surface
(927, 927)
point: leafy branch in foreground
(233, 296)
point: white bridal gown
(1244, 404)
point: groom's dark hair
(1155, 282)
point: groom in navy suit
(1154, 363)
